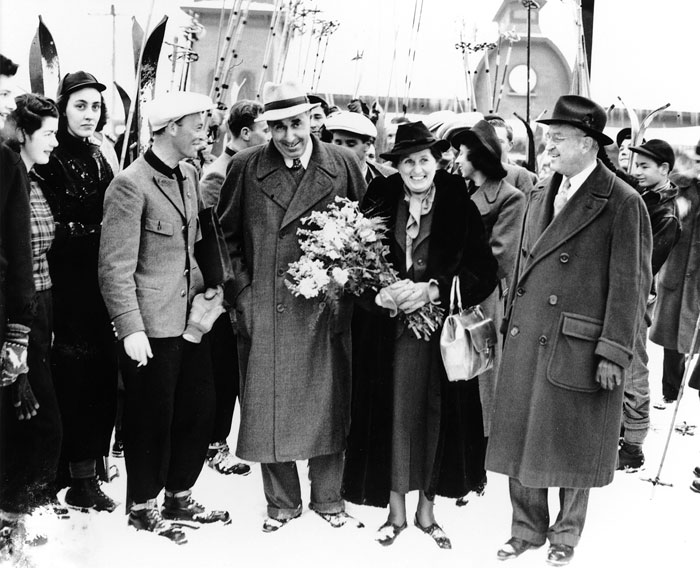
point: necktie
(562, 196)
(296, 164)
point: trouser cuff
(283, 514)
(332, 507)
(529, 535)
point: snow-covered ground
(630, 523)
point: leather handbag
(211, 251)
(468, 339)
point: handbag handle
(455, 292)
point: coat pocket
(573, 363)
(158, 226)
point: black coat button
(280, 271)
(553, 300)
(520, 291)
(543, 340)
(563, 258)
(514, 331)
(280, 308)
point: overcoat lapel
(317, 183)
(586, 204)
(279, 183)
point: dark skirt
(416, 415)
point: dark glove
(13, 355)
(23, 399)
(358, 106)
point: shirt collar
(305, 157)
(159, 165)
(577, 180)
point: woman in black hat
(411, 429)
(84, 354)
(502, 207)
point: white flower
(340, 275)
(307, 288)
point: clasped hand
(408, 296)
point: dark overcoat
(16, 277)
(458, 245)
(295, 364)
(578, 294)
(502, 207)
(678, 302)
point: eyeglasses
(558, 138)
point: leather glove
(206, 309)
(13, 355)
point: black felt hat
(582, 113)
(413, 137)
(485, 135)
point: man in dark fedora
(578, 295)
(295, 365)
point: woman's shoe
(387, 533)
(435, 532)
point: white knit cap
(352, 122)
(173, 106)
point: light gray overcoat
(295, 365)
(502, 207)
(578, 294)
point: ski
(44, 69)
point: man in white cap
(357, 133)
(295, 363)
(149, 278)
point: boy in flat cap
(652, 163)
(357, 133)
(149, 278)
(578, 293)
(295, 366)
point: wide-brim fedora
(483, 134)
(284, 100)
(582, 113)
(413, 137)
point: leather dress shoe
(514, 548)
(695, 486)
(560, 554)
(696, 471)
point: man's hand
(138, 348)
(23, 399)
(609, 374)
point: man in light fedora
(295, 365)
(149, 278)
(576, 300)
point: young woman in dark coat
(411, 429)
(84, 350)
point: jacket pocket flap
(158, 226)
(582, 327)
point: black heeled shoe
(387, 533)
(435, 532)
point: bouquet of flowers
(343, 253)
